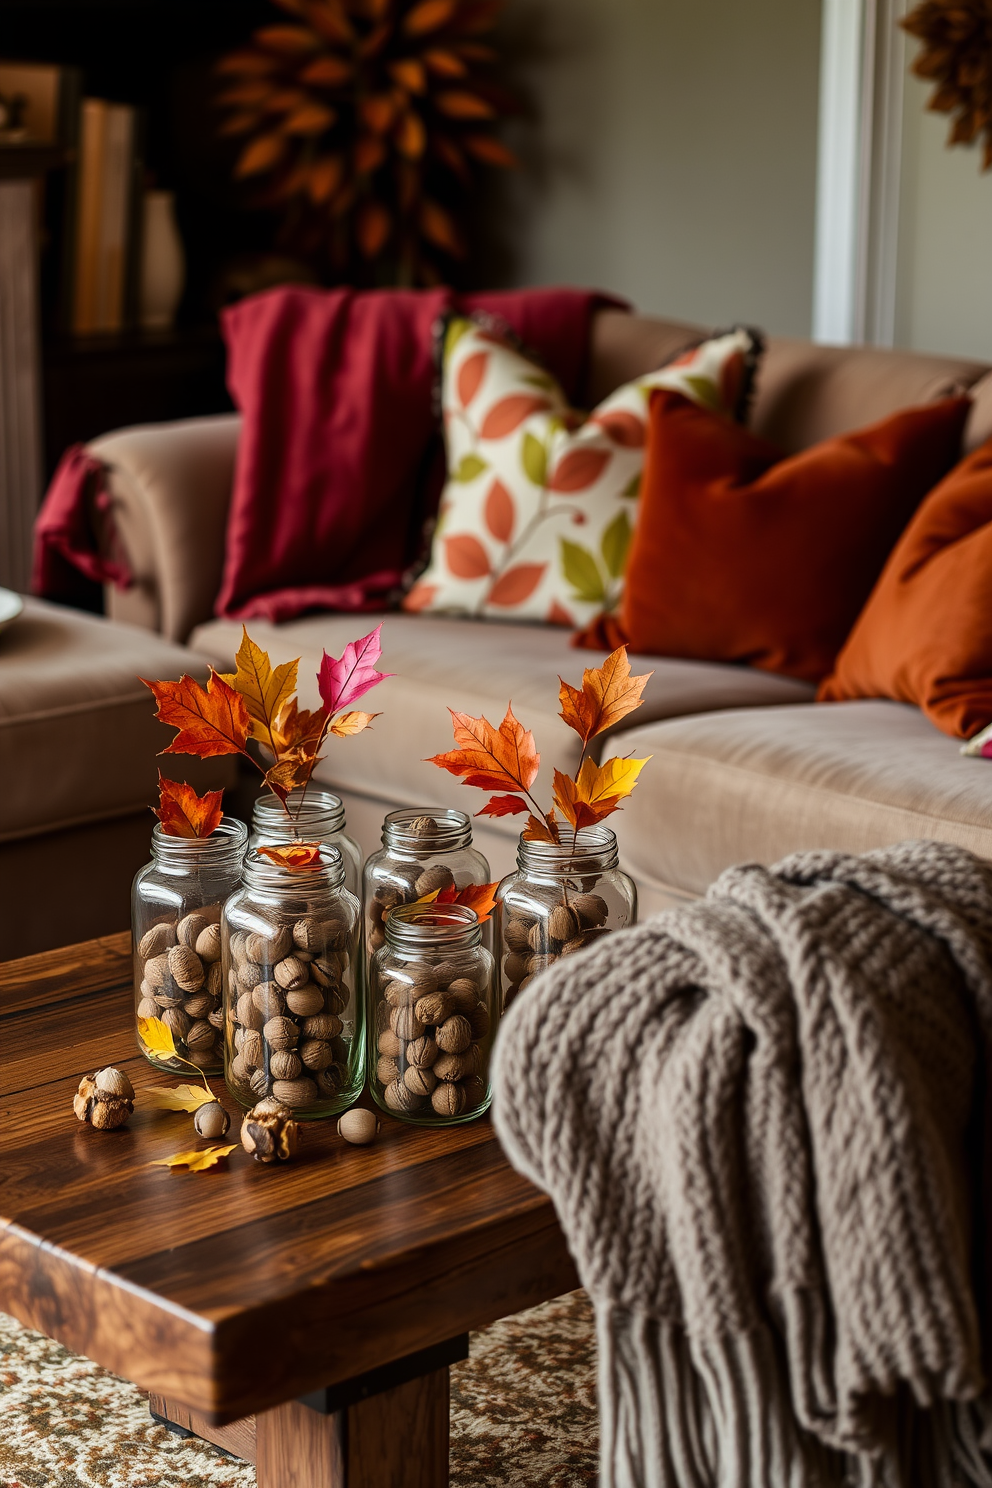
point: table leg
(395, 1439)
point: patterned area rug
(523, 1414)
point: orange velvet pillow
(925, 635)
(743, 555)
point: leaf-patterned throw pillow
(540, 502)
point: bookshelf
(155, 57)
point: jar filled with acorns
(176, 904)
(431, 1015)
(423, 851)
(563, 896)
(294, 1024)
(308, 816)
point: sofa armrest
(170, 488)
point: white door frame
(862, 67)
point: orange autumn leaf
(479, 897)
(287, 775)
(294, 855)
(211, 720)
(504, 806)
(607, 695)
(503, 759)
(596, 791)
(540, 829)
(579, 813)
(347, 724)
(297, 730)
(185, 814)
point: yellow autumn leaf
(351, 723)
(196, 1161)
(177, 1098)
(156, 1038)
(617, 777)
(263, 687)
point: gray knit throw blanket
(764, 1123)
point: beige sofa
(745, 765)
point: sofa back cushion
(741, 555)
(925, 635)
(805, 393)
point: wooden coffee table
(303, 1316)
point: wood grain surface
(235, 1290)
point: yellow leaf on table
(196, 1161)
(156, 1038)
(177, 1098)
(607, 695)
(263, 687)
(351, 723)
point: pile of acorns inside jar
(181, 982)
(535, 936)
(288, 991)
(433, 1026)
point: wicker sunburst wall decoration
(957, 56)
(365, 122)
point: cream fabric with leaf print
(540, 502)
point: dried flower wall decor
(957, 56)
(365, 119)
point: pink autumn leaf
(342, 682)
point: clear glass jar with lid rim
(432, 1015)
(176, 903)
(424, 848)
(562, 897)
(293, 1014)
(309, 816)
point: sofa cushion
(539, 505)
(743, 556)
(477, 667)
(78, 737)
(757, 783)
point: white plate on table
(11, 605)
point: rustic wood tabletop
(341, 1277)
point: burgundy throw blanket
(339, 461)
(75, 544)
(340, 458)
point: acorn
(104, 1100)
(211, 1120)
(358, 1126)
(269, 1134)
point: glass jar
(432, 1015)
(562, 897)
(317, 816)
(176, 903)
(423, 849)
(293, 1023)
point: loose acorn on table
(268, 1132)
(104, 1100)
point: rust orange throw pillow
(743, 555)
(925, 635)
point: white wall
(677, 154)
(944, 278)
